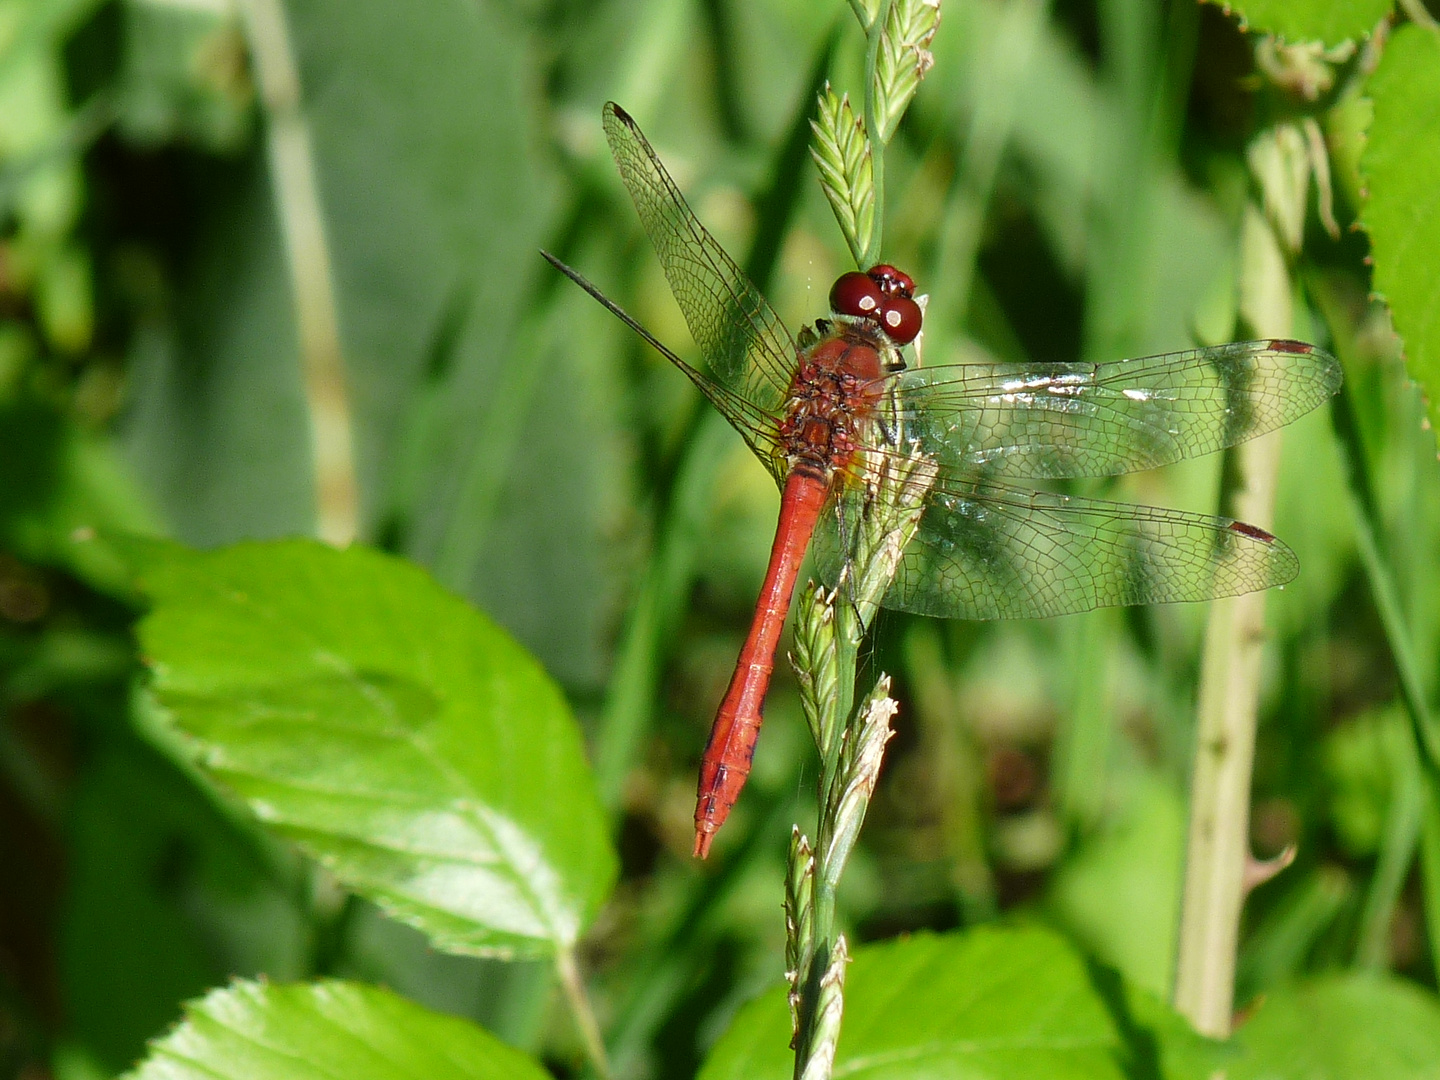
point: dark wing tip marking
(615, 110)
(1330, 373)
(1290, 346)
(1252, 531)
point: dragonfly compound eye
(892, 282)
(855, 294)
(901, 318)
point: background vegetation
(1070, 183)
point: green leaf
(216, 422)
(1402, 215)
(436, 200)
(389, 729)
(254, 1031)
(434, 197)
(1342, 1027)
(1330, 21)
(991, 1003)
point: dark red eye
(855, 294)
(892, 282)
(901, 318)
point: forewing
(987, 551)
(759, 429)
(745, 346)
(1069, 420)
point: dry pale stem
(297, 198)
(1218, 853)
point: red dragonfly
(983, 549)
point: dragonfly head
(884, 296)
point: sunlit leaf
(1402, 215)
(254, 1031)
(991, 1004)
(1330, 21)
(388, 728)
(1342, 1027)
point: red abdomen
(726, 763)
(835, 388)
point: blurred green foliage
(1068, 184)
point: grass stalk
(876, 528)
(312, 282)
(851, 742)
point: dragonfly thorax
(835, 390)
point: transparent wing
(1066, 420)
(987, 551)
(745, 346)
(759, 429)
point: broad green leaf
(1402, 215)
(497, 454)
(217, 422)
(1330, 21)
(388, 728)
(1342, 1027)
(433, 203)
(985, 1005)
(320, 1031)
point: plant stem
(580, 1008)
(851, 741)
(312, 284)
(1218, 849)
(1216, 854)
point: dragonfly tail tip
(702, 843)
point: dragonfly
(826, 414)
